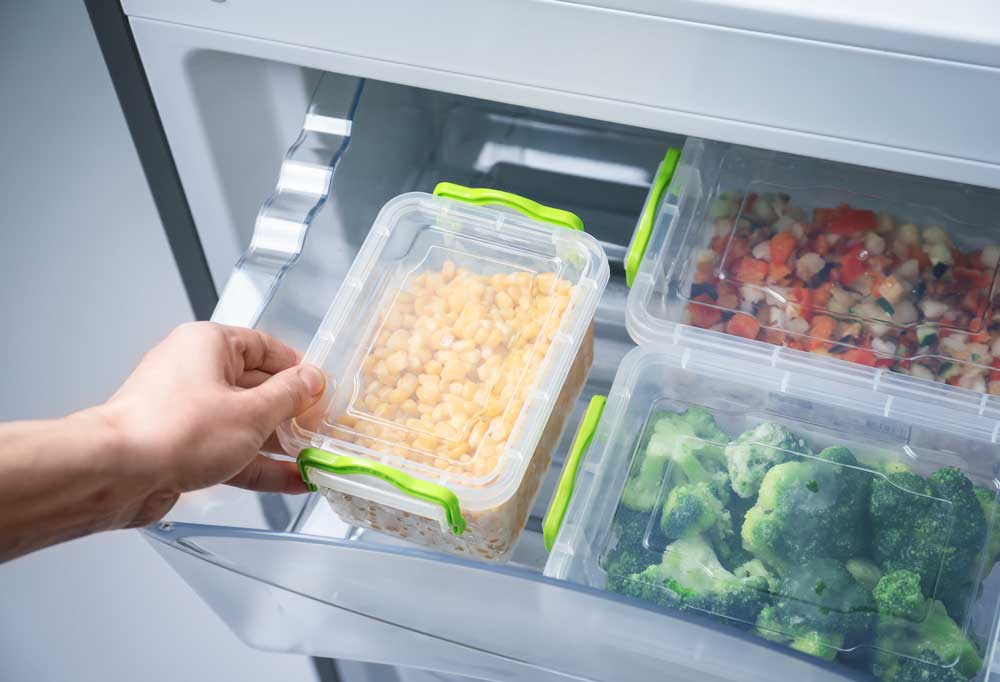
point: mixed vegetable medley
(866, 563)
(851, 283)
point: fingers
(253, 378)
(283, 396)
(266, 475)
(260, 351)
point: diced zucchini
(927, 334)
(882, 303)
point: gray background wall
(87, 283)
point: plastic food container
(829, 478)
(881, 269)
(454, 351)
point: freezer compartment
(772, 497)
(882, 269)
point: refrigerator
(273, 133)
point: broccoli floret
(898, 594)
(936, 634)
(820, 609)
(630, 555)
(935, 528)
(754, 452)
(690, 577)
(926, 667)
(694, 508)
(755, 568)
(809, 509)
(864, 571)
(689, 442)
(988, 502)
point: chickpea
(448, 373)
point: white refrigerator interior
(573, 104)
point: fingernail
(314, 379)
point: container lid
(877, 268)
(446, 348)
(801, 507)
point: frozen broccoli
(750, 456)
(695, 508)
(808, 509)
(936, 636)
(755, 568)
(988, 502)
(630, 554)
(926, 667)
(935, 528)
(864, 571)
(690, 442)
(690, 577)
(898, 594)
(820, 609)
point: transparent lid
(872, 267)
(449, 341)
(731, 488)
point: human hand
(201, 406)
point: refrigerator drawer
(285, 573)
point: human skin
(197, 411)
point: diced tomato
(803, 297)
(821, 331)
(752, 270)
(852, 265)
(718, 244)
(844, 220)
(995, 372)
(776, 273)
(795, 344)
(884, 363)
(703, 314)
(743, 325)
(860, 356)
(977, 278)
(782, 246)
(821, 296)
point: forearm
(64, 478)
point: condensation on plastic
(742, 390)
(415, 233)
(662, 290)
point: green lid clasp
(567, 481)
(644, 228)
(482, 196)
(345, 465)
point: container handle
(345, 465)
(482, 196)
(567, 481)
(644, 228)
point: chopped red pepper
(782, 245)
(852, 265)
(860, 356)
(743, 325)
(752, 270)
(703, 314)
(844, 220)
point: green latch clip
(345, 465)
(482, 196)
(637, 249)
(564, 491)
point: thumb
(285, 395)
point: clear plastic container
(454, 350)
(878, 268)
(829, 479)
